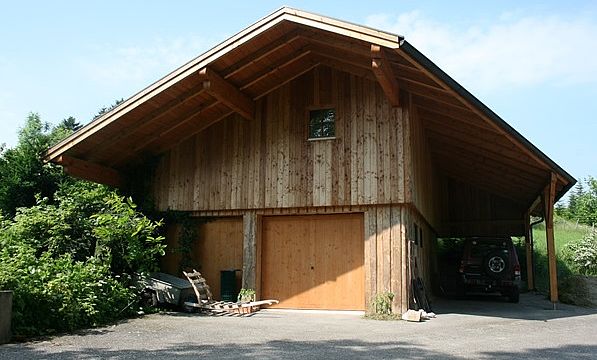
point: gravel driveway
(481, 328)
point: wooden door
(219, 246)
(314, 262)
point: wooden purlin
(477, 111)
(90, 171)
(149, 119)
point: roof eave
(460, 90)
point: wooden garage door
(314, 262)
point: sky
(534, 63)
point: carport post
(529, 251)
(548, 201)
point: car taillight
(517, 270)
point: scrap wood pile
(205, 301)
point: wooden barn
(323, 158)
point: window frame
(309, 110)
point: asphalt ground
(480, 328)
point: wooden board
(219, 247)
(314, 261)
(269, 162)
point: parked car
(490, 265)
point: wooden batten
(227, 93)
(382, 70)
(90, 171)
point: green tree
(23, 174)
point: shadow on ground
(338, 349)
(532, 306)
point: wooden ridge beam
(227, 93)
(90, 171)
(382, 69)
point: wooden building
(328, 157)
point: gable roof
(467, 139)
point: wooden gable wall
(269, 163)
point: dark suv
(490, 264)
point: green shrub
(70, 263)
(381, 307)
(53, 294)
(582, 255)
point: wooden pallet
(206, 302)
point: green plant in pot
(246, 295)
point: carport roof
(468, 141)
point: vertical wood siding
(269, 163)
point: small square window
(322, 123)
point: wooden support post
(529, 251)
(548, 202)
(227, 93)
(382, 70)
(250, 254)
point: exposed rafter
(227, 93)
(385, 75)
(90, 171)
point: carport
(492, 179)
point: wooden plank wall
(468, 211)
(425, 185)
(386, 263)
(219, 246)
(269, 163)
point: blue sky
(533, 63)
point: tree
(23, 173)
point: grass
(565, 232)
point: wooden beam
(548, 202)
(275, 68)
(90, 171)
(529, 251)
(382, 69)
(249, 280)
(477, 111)
(148, 120)
(227, 93)
(168, 130)
(260, 54)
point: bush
(582, 255)
(59, 294)
(70, 263)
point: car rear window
(481, 248)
